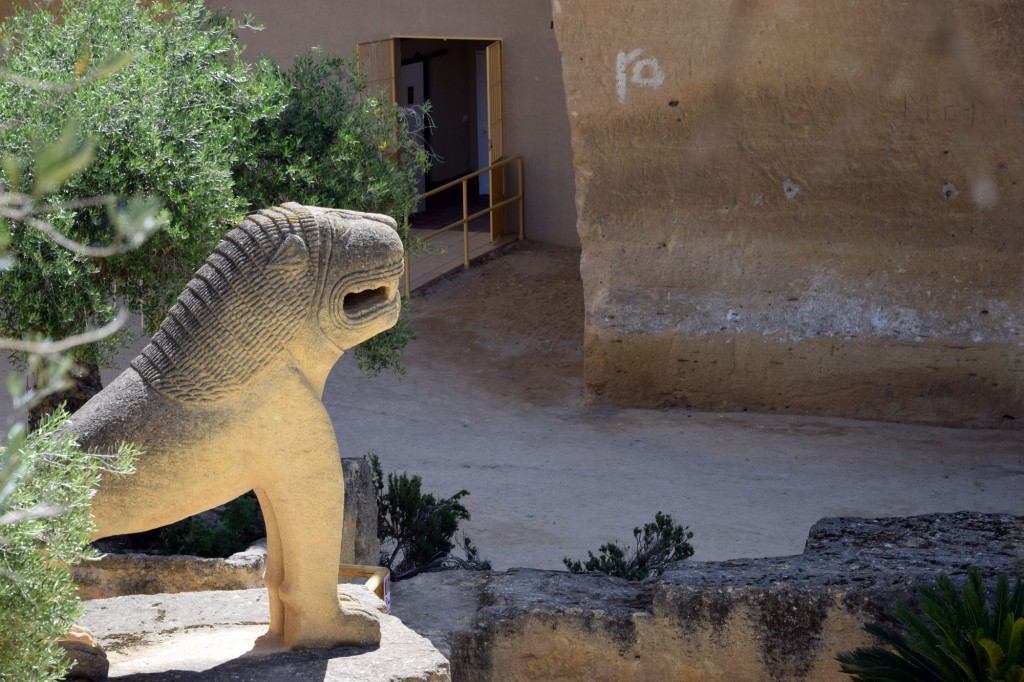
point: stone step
(212, 636)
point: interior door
(410, 91)
(496, 137)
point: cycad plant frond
(959, 638)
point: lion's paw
(353, 626)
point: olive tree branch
(21, 209)
(49, 347)
(40, 511)
(77, 247)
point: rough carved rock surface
(116, 575)
(90, 660)
(214, 636)
(780, 618)
(359, 542)
(226, 398)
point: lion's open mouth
(360, 303)
(369, 294)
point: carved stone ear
(290, 255)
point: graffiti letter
(653, 78)
(621, 62)
(646, 73)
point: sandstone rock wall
(801, 206)
(780, 618)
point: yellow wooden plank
(496, 135)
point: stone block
(115, 575)
(778, 618)
(89, 660)
(359, 543)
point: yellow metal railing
(466, 217)
(378, 580)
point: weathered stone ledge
(782, 618)
(115, 575)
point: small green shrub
(416, 529)
(384, 351)
(958, 638)
(657, 545)
(45, 485)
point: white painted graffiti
(646, 72)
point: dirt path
(492, 402)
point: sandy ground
(492, 403)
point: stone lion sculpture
(226, 398)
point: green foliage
(416, 529)
(45, 485)
(331, 146)
(237, 528)
(171, 120)
(46, 481)
(657, 545)
(958, 638)
(384, 351)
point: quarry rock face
(801, 207)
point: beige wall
(537, 126)
(799, 206)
